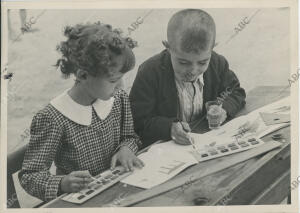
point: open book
(163, 161)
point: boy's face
(188, 66)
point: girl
(88, 128)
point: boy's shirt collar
(78, 113)
(198, 79)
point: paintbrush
(191, 140)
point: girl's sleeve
(128, 136)
(45, 142)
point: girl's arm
(128, 136)
(45, 141)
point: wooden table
(261, 180)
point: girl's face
(104, 86)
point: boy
(171, 88)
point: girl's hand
(75, 181)
(127, 159)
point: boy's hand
(127, 159)
(179, 133)
(75, 181)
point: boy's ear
(81, 74)
(166, 44)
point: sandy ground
(258, 54)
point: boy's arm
(34, 176)
(234, 96)
(143, 96)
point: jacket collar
(78, 113)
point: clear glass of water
(214, 114)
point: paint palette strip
(101, 182)
(226, 149)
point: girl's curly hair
(90, 47)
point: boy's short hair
(91, 47)
(192, 30)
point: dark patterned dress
(75, 138)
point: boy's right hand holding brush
(180, 134)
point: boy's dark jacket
(154, 98)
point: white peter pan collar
(79, 113)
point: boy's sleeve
(128, 136)
(234, 95)
(44, 143)
(143, 96)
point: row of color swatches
(227, 149)
(102, 182)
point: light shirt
(190, 99)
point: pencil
(189, 136)
(192, 142)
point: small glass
(214, 114)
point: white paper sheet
(162, 162)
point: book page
(162, 162)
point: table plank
(272, 165)
(229, 185)
(274, 193)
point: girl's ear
(81, 74)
